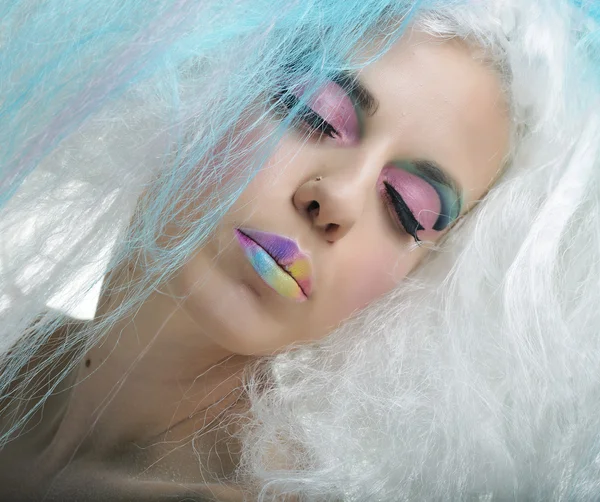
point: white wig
(479, 378)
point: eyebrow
(358, 92)
(436, 173)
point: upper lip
(286, 253)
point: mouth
(278, 261)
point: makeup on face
(332, 109)
(423, 189)
(279, 262)
(337, 108)
(420, 196)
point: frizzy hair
(478, 376)
(112, 116)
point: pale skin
(435, 101)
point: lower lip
(269, 270)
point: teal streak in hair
(591, 7)
(103, 86)
(589, 41)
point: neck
(153, 371)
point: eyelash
(405, 216)
(394, 200)
(309, 117)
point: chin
(228, 311)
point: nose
(333, 204)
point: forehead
(438, 101)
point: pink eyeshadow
(421, 198)
(334, 106)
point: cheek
(371, 273)
(198, 198)
(271, 188)
(243, 157)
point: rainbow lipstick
(279, 262)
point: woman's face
(347, 204)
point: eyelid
(404, 215)
(432, 172)
(362, 103)
(307, 115)
(449, 195)
(329, 109)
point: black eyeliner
(307, 115)
(405, 215)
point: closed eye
(309, 117)
(404, 215)
(330, 111)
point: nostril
(331, 228)
(313, 209)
